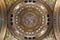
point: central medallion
(29, 19)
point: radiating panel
(3, 21)
(57, 20)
